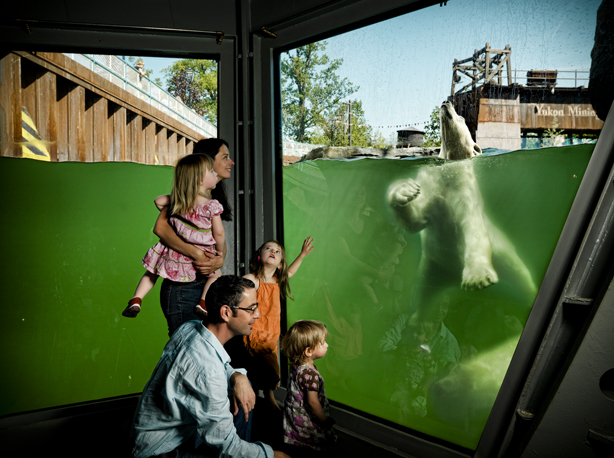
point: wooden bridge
(53, 108)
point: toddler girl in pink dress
(195, 218)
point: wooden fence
(80, 116)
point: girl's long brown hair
(189, 174)
(257, 269)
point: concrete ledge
(349, 152)
(385, 437)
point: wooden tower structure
(484, 67)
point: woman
(179, 299)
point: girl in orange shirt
(270, 273)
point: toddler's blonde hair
(189, 174)
(302, 335)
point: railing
(577, 76)
(122, 74)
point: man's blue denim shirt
(188, 394)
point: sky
(404, 65)
(157, 64)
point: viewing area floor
(102, 429)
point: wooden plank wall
(576, 117)
(78, 124)
(10, 105)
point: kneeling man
(185, 406)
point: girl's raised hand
(307, 246)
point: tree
(158, 82)
(392, 140)
(552, 136)
(311, 89)
(432, 131)
(334, 128)
(198, 91)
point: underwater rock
(414, 151)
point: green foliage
(336, 130)
(550, 135)
(432, 131)
(392, 140)
(311, 91)
(532, 141)
(378, 141)
(199, 93)
(585, 138)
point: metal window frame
(249, 119)
(149, 41)
(351, 15)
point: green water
(447, 387)
(74, 236)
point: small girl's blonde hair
(302, 335)
(189, 174)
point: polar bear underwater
(460, 246)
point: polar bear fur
(445, 206)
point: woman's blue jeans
(178, 301)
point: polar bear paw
(478, 277)
(403, 192)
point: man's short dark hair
(226, 290)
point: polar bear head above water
(456, 141)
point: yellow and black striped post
(32, 146)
